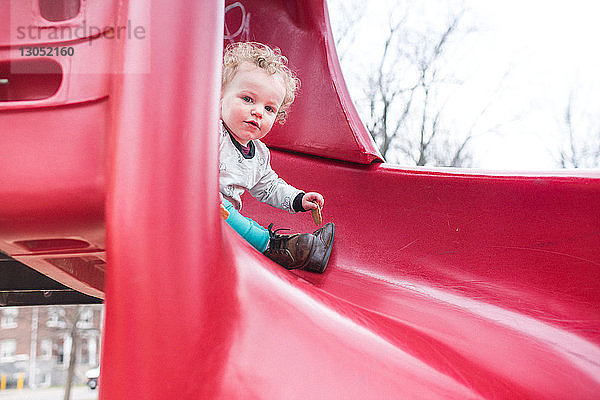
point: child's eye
(247, 99)
(270, 109)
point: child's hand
(311, 199)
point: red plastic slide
(442, 283)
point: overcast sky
(529, 55)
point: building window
(8, 348)
(58, 350)
(9, 318)
(86, 318)
(84, 357)
(56, 317)
(46, 349)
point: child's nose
(256, 111)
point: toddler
(257, 89)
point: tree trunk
(72, 362)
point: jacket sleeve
(273, 190)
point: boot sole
(325, 260)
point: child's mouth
(254, 124)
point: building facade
(36, 343)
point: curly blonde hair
(269, 59)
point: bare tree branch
(582, 149)
(404, 114)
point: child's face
(250, 102)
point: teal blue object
(250, 230)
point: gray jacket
(239, 172)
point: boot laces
(279, 239)
(278, 243)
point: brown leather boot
(307, 251)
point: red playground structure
(442, 284)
